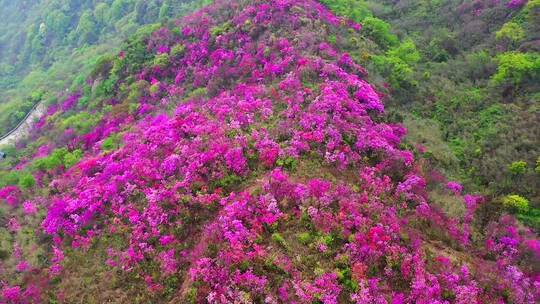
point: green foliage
(72, 158)
(221, 29)
(406, 51)
(161, 60)
(118, 8)
(102, 13)
(537, 169)
(397, 64)
(86, 31)
(9, 178)
(57, 23)
(278, 238)
(516, 203)
(228, 181)
(531, 218)
(54, 160)
(288, 163)
(305, 238)
(356, 10)
(27, 181)
(59, 157)
(165, 11)
(518, 167)
(111, 143)
(380, 32)
(511, 31)
(178, 50)
(191, 296)
(514, 67)
(81, 122)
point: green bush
(278, 238)
(514, 67)
(379, 31)
(406, 51)
(396, 64)
(72, 158)
(305, 238)
(111, 143)
(161, 60)
(27, 181)
(511, 31)
(54, 160)
(356, 10)
(516, 203)
(518, 167)
(81, 122)
(178, 50)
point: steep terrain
(464, 77)
(239, 155)
(49, 46)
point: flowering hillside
(238, 156)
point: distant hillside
(48, 46)
(464, 77)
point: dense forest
(258, 151)
(50, 46)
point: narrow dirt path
(24, 128)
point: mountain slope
(49, 46)
(237, 156)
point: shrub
(278, 238)
(27, 181)
(511, 31)
(81, 122)
(352, 9)
(111, 143)
(518, 167)
(178, 50)
(516, 203)
(379, 31)
(161, 60)
(305, 238)
(55, 159)
(514, 67)
(72, 158)
(396, 64)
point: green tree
(57, 23)
(510, 34)
(102, 14)
(379, 31)
(118, 9)
(86, 31)
(164, 11)
(406, 51)
(514, 67)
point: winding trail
(24, 126)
